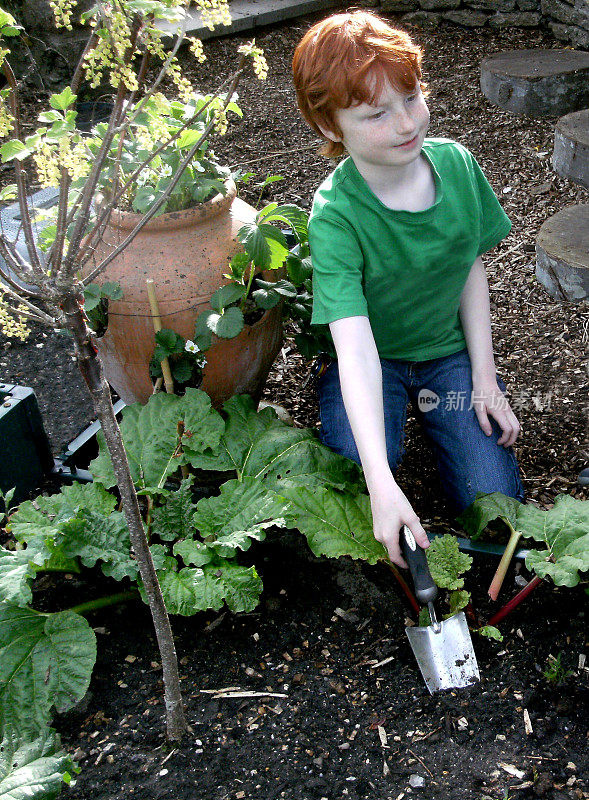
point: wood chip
(382, 663)
(511, 770)
(528, 723)
(220, 694)
(382, 735)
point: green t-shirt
(404, 270)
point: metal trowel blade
(446, 659)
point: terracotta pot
(186, 254)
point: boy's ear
(333, 137)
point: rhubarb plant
(32, 768)
(272, 476)
(448, 567)
(562, 531)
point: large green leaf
(259, 445)
(190, 590)
(46, 661)
(32, 770)
(93, 537)
(564, 530)
(173, 519)
(243, 427)
(227, 294)
(38, 523)
(287, 214)
(265, 244)
(63, 100)
(194, 553)
(16, 574)
(335, 524)
(243, 511)
(228, 324)
(8, 25)
(14, 149)
(486, 508)
(151, 437)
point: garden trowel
(443, 650)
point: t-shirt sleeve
(337, 271)
(494, 222)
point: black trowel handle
(426, 590)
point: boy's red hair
(343, 61)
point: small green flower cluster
(220, 121)
(152, 135)
(12, 324)
(109, 54)
(214, 12)
(152, 42)
(62, 11)
(196, 48)
(257, 54)
(6, 119)
(66, 154)
(183, 85)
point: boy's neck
(404, 187)
(384, 177)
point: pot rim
(127, 220)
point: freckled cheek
(425, 116)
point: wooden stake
(157, 326)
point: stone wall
(567, 19)
(48, 56)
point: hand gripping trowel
(443, 650)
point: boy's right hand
(390, 511)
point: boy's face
(387, 134)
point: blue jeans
(440, 393)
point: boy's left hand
(489, 400)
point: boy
(396, 235)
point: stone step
(247, 15)
(570, 158)
(562, 254)
(537, 82)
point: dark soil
(324, 626)
(314, 645)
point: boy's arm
(361, 384)
(475, 315)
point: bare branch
(163, 70)
(8, 279)
(87, 195)
(15, 261)
(77, 76)
(68, 265)
(31, 312)
(55, 255)
(20, 179)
